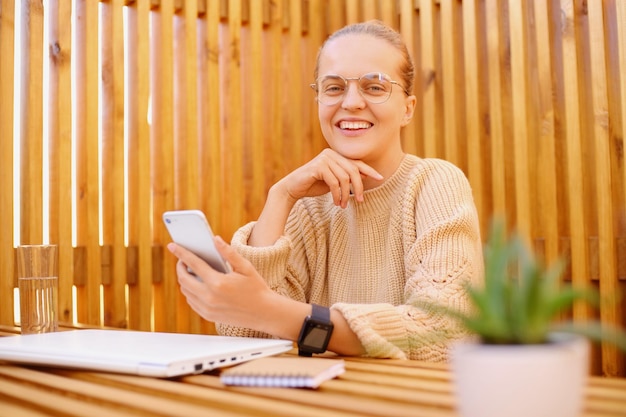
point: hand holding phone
(190, 229)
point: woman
(357, 234)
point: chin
(351, 153)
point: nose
(353, 98)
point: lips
(354, 125)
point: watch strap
(320, 313)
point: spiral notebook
(284, 372)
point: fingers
(344, 176)
(188, 258)
(367, 170)
(236, 261)
(338, 180)
(195, 287)
(364, 170)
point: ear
(409, 108)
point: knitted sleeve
(442, 251)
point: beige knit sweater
(415, 236)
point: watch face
(315, 336)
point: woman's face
(354, 127)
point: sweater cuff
(381, 332)
(269, 261)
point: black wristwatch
(316, 331)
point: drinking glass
(38, 285)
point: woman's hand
(328, 171)
(236, 298)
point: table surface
(376, 387)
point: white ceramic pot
(522, 380)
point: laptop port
(198, 367)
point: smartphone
(190, 229)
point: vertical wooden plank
(617, 107)
(574, 155)
(317, 35)
(388, 12)
(145, 213)
(78, 159)
(60, 148)
(409, 30)
(190, 94)
(184, 162)
(276, 89)
(336, 14)
(610, 311)
(132, 149)
(352, 12)
(286, 22)
(477, 146)
(294, 66)
(7, 80)
(166, 294)
(547, 220)
(615, 131)
(522, 121)
(232, 211)
(87, 179)
(180, 149)
(452, 69)
(210, 143)
(188, 114)
(495, 51)
(368, 9)
(620, 20)
(113, 198)
(139, 190)
(430, 110)
(31, 123)
(253, 128)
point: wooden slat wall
(152, 105)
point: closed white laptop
(138, 353)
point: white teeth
(354, 125)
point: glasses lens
(375, 87)
(331, 89)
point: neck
(386, 169)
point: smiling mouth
(354, 125)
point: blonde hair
(379, 30)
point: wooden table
(376, 387)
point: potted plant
(523, 361)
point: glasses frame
(379, 75)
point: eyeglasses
(375, 87)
